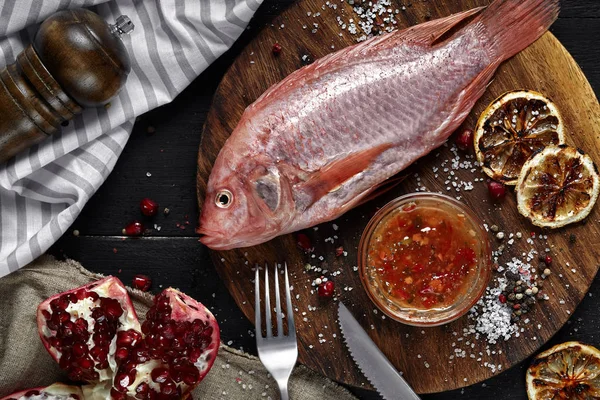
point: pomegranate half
(57, 391)
(94, 334)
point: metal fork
(277, 353)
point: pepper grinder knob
(122, 25)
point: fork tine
(257, 321)
(288, 304)
(267, 304)
(278, 313)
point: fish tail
(512, 25)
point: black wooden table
(164, 145)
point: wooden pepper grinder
(76, 60)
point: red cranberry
(502, 298)
(497, 190)
(134, 228)
(464, 140)
(339, 251)
(326, 289)
(142, 282)
(547, 260)
(277, 49)
(304, 242)
(149, 207)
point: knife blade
(371, 361)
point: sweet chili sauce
(424, 256)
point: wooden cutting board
(425, 355)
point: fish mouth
(219, 242)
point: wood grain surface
(422, 354)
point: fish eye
(224, 198)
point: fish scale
(328, 136)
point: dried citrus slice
(569, 370)
(511, 129)
(557, 186)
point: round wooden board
(426, 356)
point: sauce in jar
(424, 255)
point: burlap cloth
(24, 363)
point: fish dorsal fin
(427, 33)
(432, 32)
(331, 177)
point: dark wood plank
(545, 67)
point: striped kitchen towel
(43, 189)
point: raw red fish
(330, 135)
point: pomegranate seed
(497, 190)
(326, 289)
(141, 355)
(502, 298)
(111, 307)
(134, 228)
(304, 242)
(548, 260)
(148, 207)
(46, 314)
(63, 316)
(115, 395)
(98, 353)
(194, 355)
(142, 390)
(121, 354)
(126, 338)
(59, 304)
(464, 140)
(80, 294)
(160, 375)
(339, 251)
(79, 349)
(80, 326)
(277, 49)
(168, 388)
(85, 363)
(142, 282)
(124, 379)
(191, 377)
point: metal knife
(371, 361)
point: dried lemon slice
(569, 370)
(511, 129)
(557, 186)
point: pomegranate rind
(485, 141)
(570, 370)
(56, 391)
(557, 187)
(109, 287)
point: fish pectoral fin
(331, 177)
(380, 189)
(435, 31)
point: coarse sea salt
(492, 319)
